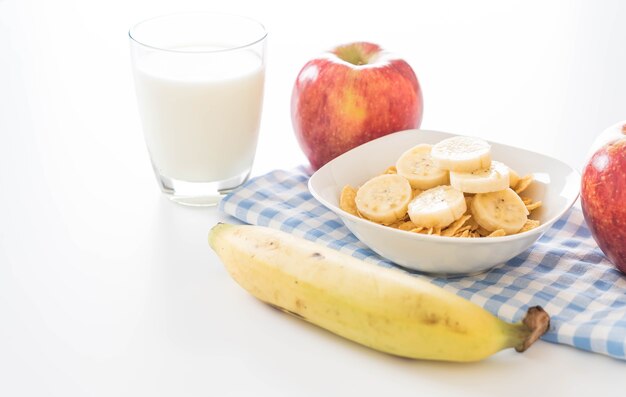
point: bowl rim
(443, 239)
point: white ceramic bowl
(556, 185)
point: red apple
(603, 195)
(351, 95)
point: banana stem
(536, 322)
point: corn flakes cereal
(347, 200)
(523, 184)
(533, 206)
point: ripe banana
(484, 180)
(384, 198)
(417, 166)
(500, 210)
(378, 307)
(462, 154)
(437, 207)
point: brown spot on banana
(272, 245)
(282, 309)
(455, 326)
(430, 319)
(300, 305)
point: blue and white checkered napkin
(564, 272)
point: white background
(107, 288)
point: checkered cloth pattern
(564, 272)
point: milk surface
(200, 114)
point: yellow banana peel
(382, 308)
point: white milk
(200, 116)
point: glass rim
(262, 37)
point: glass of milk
(199, 82)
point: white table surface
(109, 289)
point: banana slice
(462, 154)
(503, 209)
(384, 198)
(485, 180)
(437, 207)
(417, 166)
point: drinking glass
(199, 79)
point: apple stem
(357, 53)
